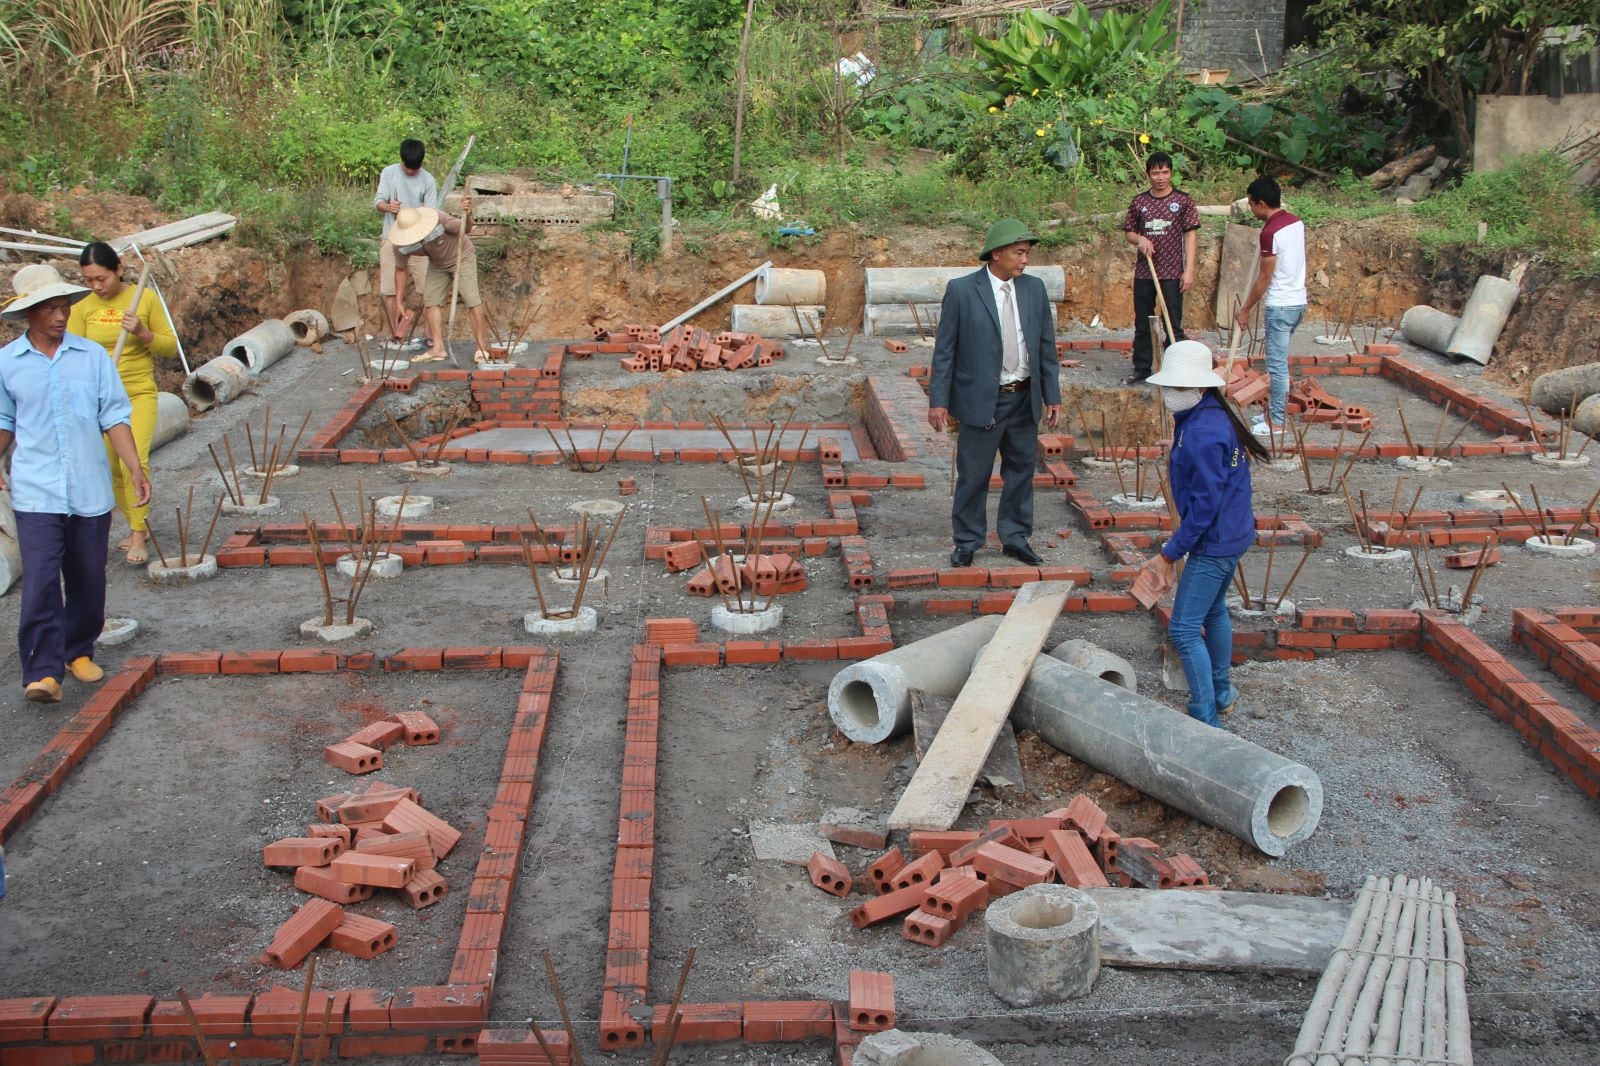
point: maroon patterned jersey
(1164, 221)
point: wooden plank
(1003, 767)
(1241, 258)
(149, 238)
(1182, 929)
(938, 790)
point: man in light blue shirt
(59, 393)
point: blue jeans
(1280, 322)
(1203, 635)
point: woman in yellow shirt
(101, 316)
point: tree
(1450, 51)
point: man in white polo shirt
(1281, 281)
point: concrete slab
(783, 842)
(1202, 930)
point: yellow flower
(1034, 93)
(1040, 132)
(994, 111)
(1144, 138)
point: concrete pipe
(895, 1047)
(215, 383)
(1428, 327)
(922, 285)
(776, 321)
(1559, 392)
(1043, 945)
(1482, 319)
(1586, 419)
(783, 285)
(896, 320)
(1208, 773)
(1093, 659)
(259, 348)
(172, 419)
(10, 553)
(308, 326)
(870, 701)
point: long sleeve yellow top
(101, 321)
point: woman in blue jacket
(1208, 475)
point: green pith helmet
(1006, 231)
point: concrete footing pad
(597, 508)
(1378, 557)
(586, 621)
(117, 631)
(425, 469)
(387, 564)
(1275, 612)
(1578, 549)
(1139, 503)
(1043, 945)
(1569, 461)
(416, 507)
(745, 623)
(201, 570)
(1486, 498)
(286, 470)
(251, 507)
(332, 634)
(1422, 464)
(893, 1047)
(782, 503)
(1285, 464)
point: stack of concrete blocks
(899, 299)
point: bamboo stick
(1320, 1011)
(133, 309)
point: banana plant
(1041, 52)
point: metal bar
(721, 293)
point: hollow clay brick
(299, 936)
(871, 1006)
(886, 906)
(829, 874)
(921, 927)
(340, 833)
(1074, 864)
(377, 734)
(319, 882)
(374, 803)
(426, 888)
(363, 937)
(353, 758)
(956, 898)
(922, 841)
(1017, 867)
(918, 872)
(380, 871)
(411, 845)
(702, 1023)
(963, 855)
(80, 1018)
(787, 1020)
(882, 870)
(301, 851)
(407, 815)
(419, 728)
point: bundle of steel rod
(268, 467)
(1395, 989)
(1540, 519)
(763, 461)
(1562, 450)
(366, 541)
(734, 573)
(1334, 477)
(280, 457)
(431, 456)
(1433, 451)
(1112, 447)
(185, 517)
(1259, 603)
(586, 561)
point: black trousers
(1014, 436)
(1144, 305)
(60, 551)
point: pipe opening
(1288, 810)
(299, 329)
(240, 353)
(1042, 914)
(1118, 678)
(860, 703)
(202, 393)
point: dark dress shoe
(1022, 553)
(961, 557)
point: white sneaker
(1263, 429)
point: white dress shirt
(1021, 373)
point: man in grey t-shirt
(402, 184)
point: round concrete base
(493, 364)
(1450, 603)
(400, 346)
(251, 507)
(416, 507)
(1282, 612)
(1422, 464)
(391, 366)
(1378, 556)
(597, 508)
(586, 621)
(752, 468)
(1560, 462)
(1043, 945)
(285, 470)
(425, 469)
(1486, 498)
(117, 631)
(202, 570)
(848, 360)
(1105, 464)
(1579, 548)
(1288, 464)
(313, 627)
(745, 623)
(782, 503)
(1139, 503)
(387, 564)
(1334, 342)
(894, 1047)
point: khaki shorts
(436, 293)
(416, 266)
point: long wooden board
(1003, 767)
(939, 788)
(167, 234)
(1202, 930)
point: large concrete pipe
(308, 326)
(1208, 773)
(1559, 392)
(1586, 419)
(786, 285)
(262, 346)
(10, 553)
(1428, 327)
(870, 701)
(898, 320)
(1483, 318)
(776, 321)
(172, 419)
(925, 285)
(215, 383)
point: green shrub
(1531, 203)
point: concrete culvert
(870, 701)
(1093, 659)
(215, 383)
(786, 285)
(262, 346)
(308, 326)
(1561, 392)
(1428, 327)
(1043, 945)
(1587, 418)
(172, 419)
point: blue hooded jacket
(1209, 477)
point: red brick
(1327, 619)
(301, 851)
(407, 815)
(887, 906)
(70, 1055)
(692, 655)
(1019, 868)
(425, 889)
(922, 841)
(352, 1047)
(412, 844)
(249, 662)
(1288, 638)
(319, 882)
(436, 1006)
(671, 631)
(963, 855)
(1084, 815)
(871, 1007)
(701, 1023)
(920, 871)
(882, 869)
(380, 871)
(1363, 642)
(787, 1020)
(1383, 620)
(24, 1019)
(218, 1016)
(373, 804)
(363, 937)
(353, 758)
(190, 662)
(830, 875)
(740, 652)
(415, 659)
(920, 927)
(957, 898)
(369, 1010)
(377, 734)
(299, 936)
(1074, 865)
(419, 728)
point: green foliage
(934, 111)
(1041, 52)
(330, 220)
(1532, 203)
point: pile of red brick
(683, 347)
(1313, 403)
(953, 874)
(378, 837)
(767, 575)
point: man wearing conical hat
(59, 393)
(994, 372)
(443, 239)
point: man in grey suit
(994, 372)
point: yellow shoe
(86, 670)
(44, 690)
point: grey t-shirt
(395, 184)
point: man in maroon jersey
(1162, 223)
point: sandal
(427, 357)
(138, 556)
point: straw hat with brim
(1006, 231)
(35, 285)
(1187, 365)
(414, 225)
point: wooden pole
(455, 282)
(133, 309)
(738, 107)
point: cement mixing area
(617, 700)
